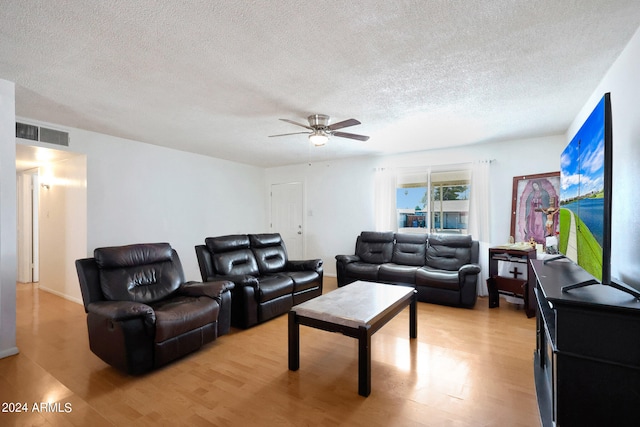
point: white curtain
(385, 200)
(479, 217)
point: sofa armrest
(122, 334)
(213, 289)
(304, 265)
(347, 259)
(239, 280)
(468, 269)
(341, 268)
(118, 311)
(219, 290)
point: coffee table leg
(364, 362)
(294, 342)
(413, 318)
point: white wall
(8, 221)
(137, 192)
(63, 225)
(339, 195)
(622, 81)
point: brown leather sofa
(141, 314)
(443, 268)
(267, 283)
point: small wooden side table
(519, 255)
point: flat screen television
(585, 198)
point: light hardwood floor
(467, 368)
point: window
(436, 202)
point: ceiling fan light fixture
(318, 139)
(321, 130)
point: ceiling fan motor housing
(318, 120)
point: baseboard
(61, 295)
(9, 352)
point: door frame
(27, 214)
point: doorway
(52, 217)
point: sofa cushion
(410, 249)
(435, 278)
(141, 273)
(179, 315)
(375, 247)
(448, 252)
(272, 287)
(303, 280)
(270, 252)
(270, 260)
(238, 262)
(396, 273)
(363, 270)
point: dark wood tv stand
(587, 357)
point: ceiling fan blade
(285, 134)
(297, 124)
(350, 135)
(343, 124)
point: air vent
(54, 136)
(41, 134)
(25, 131)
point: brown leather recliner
(267, 283)
(141, 314)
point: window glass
(437, 202)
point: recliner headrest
(145, 273)
(450, 240)
(377, 236)
(375, 247)
(132, 255)
(264, 240)
(414, 238)
(231, 242)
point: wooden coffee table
(356, 310)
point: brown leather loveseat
(141, 314)
(267, 283)
(443, 267)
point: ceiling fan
(321, 130)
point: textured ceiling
(213, 77)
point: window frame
(435, 211)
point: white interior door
(286, 216)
